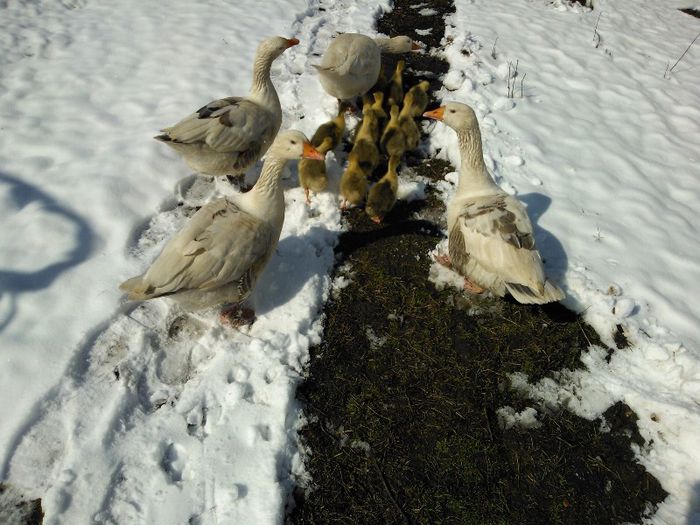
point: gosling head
(423, 86)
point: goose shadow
(15, 282)
(399, 221)
(297, 260)
(352, 241)
(553, 256)
(551, 250)
(694, 507)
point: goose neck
(268, 185)
(473, 174)
(262, 88)
(384, 44)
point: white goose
(490, 235)
(350, 66)
(229, 135)
(219, 254)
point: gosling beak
(376, 219)
(416, 46)
(312, 153)
(292, 42)
(436, 114)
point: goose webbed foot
(236, 316)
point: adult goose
(350, 66)
(491, 241)
(219, 254)
(229, 135)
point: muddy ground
(403, 392)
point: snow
(411, 186)
(509, 418)
(119, 413)
(375, 341)
(427, 12)
(602, 147)
(122, 414)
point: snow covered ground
(118, 414)
(124, 415)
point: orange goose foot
(236, 316)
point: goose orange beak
(436, 114)
(416, 46)
(312, 153)
(292, 42)
(376, 219)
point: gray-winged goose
(219, 254)
(491, 241)
(229, 135)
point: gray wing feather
(226, 125)
(498, 234)
(218, 246)
(458, 250)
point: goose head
(292, 144)
(398, 44)
(458, 116)
(275, 46)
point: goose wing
(496, 232)
(226, 125)
(219, 245)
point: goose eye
(452, 111)
(294, 142)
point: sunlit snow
(119, 413)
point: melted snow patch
(411, 186)
(509, 418)
(375, 341)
